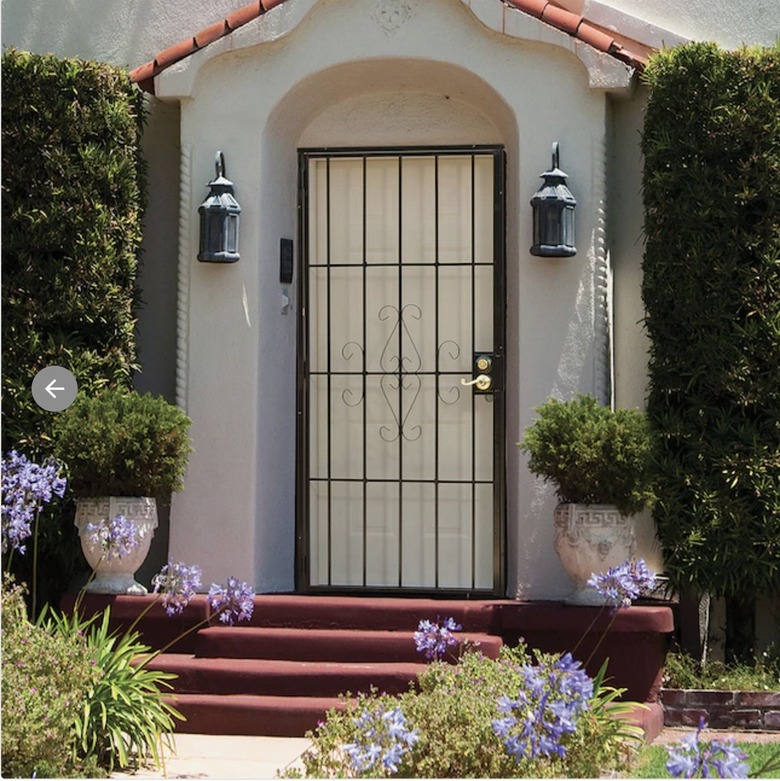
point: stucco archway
(370, 103)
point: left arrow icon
(51, 387)
(54, 388)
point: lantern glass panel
(537, 226)
(214, 231)
(231, 243)
(552, 223)
(568, 226)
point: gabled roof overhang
(632, 54)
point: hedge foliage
(72, 199)
(73, 183)
(711, 289)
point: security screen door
(401, 463)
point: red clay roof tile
(595, 37)
(244, 15)
(211, 34)
(533, 7)
(560, 18)
(143, 72)
(172, 54)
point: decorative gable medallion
(391, 15)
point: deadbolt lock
(484, 363)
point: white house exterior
(412, 114)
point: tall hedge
(73, 195)
(73, 183)
(711, 290)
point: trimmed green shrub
(593, 454)
(72, 201)
(121, 443)
(46, 680)
(712, 293)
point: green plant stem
(138, 618)
(770, 766)
(142, 614)
(590, 626)
(175, 640)
(601, 639)
(35, 569)
(83, 590)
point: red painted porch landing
(279, 673)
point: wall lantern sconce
(219, 220)
(553, 207)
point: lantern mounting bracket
(219, 163)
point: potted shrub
(598, 459)
(123, 452)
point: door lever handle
(483, 382)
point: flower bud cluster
(26, 488)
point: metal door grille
(402, 286)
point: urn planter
(591, 538)
(116, 574)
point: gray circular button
(54, 388)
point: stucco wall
(627, 248)
(731, 24)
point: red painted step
(283, 677)
(383, 613)
(251, 714)
(311, 645)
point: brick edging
(721, 709)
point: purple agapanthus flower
(547, 708)
(434, 638)
(232, 602)
(621, 585)
(26, 487)
(178, 584)
(116, 538)
(716, 759)
(382, 740)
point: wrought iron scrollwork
(396, 340)
(452, 351)
(348, 352)
(401, 371)
(395, 382)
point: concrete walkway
(238, 757)
(226, 757)
(670, 735)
